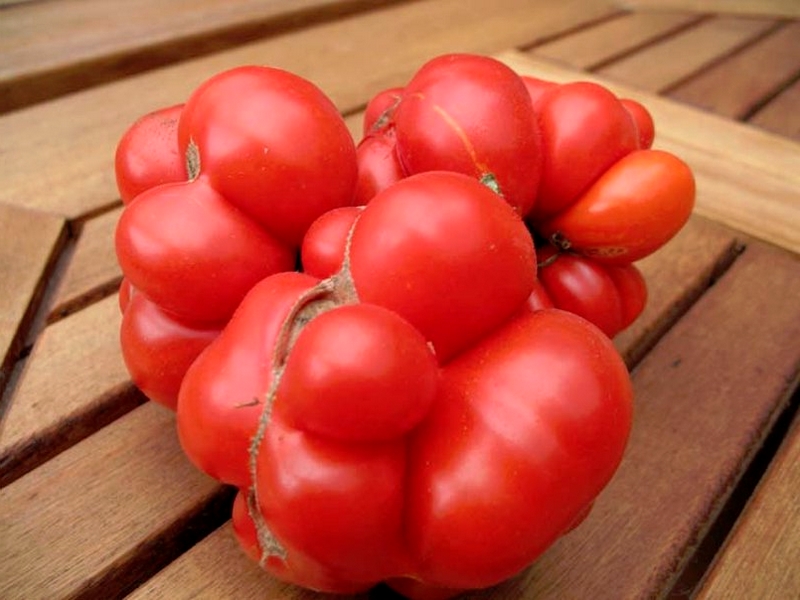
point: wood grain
(58, 155)
(773, 8)
(754, 191)
(93, 271)
(736, 86)
(73, 383)
(593, 46)
(218, 568)
(677, 275)
(29, 244)
(673, 59)
(51, 48)
(780, 115)
(755, 561)
(110, 511)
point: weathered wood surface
(96, 499)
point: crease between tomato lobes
(339, 511)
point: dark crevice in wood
(18, 459)
(46, 85)
(571, 30)
(756, 108)
(119, 580)
(634, 354)
(697, 567)
(672, 87)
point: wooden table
(97, 500)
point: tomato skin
(273, 145)
(379, 114)
(495, 448)
(585, 130)
(453, 289)
(633, 209)
(328, 389)
(644, 121)
(522, 414)
(323, 249)
(437, 130)
(178, 242)
(230, 405)
(158, 349)
(378, 166)
(147, 155)
(537, 88)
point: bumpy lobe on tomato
(608, 296)
(585, 130)
(323, 249)
(193, 253)
(223, 393)
(328, 387)
(158, 348)
(148, 155)
(510, 437)
(453, 287)
(272, 144)
(492, 136)
(378, 165)
(633, 209)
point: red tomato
(272, 144)
(265, 154)
(323, 249)
(378, 165)
(472, 115)
(585, 130)
(454, 469)
(158, 349)
(608, 296)
(644, 121)
(194, 254)
(537, 88)
(148, 154)
(633, 209)
(378, 115)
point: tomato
(378, 165)
(409, 418)
(148, 155)
(633, 209)
(585, 130)
(272, 144)
(609, 296)
(323, 249)
(378, 114)
(537, 88)
(223, 199)
(158, 349)
(643, 119)
(493, 137)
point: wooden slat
(705, 399)
(590, 47)
(754, 191)
(58, 156)
(677, 275)
(781, 114)
(29, 244)
(50, 48)
(760, 558)
(73, 383)
(737, 85)
(106, 513)
(675, 58)
(93, 272)
(774, 8)
(217, 568)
